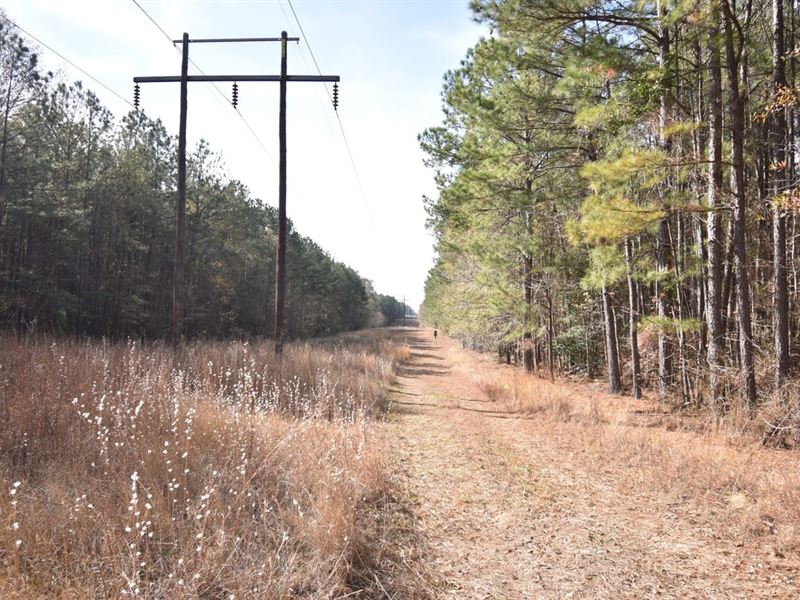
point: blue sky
(391, 55)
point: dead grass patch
(525, 395)
(217, 473)
(715, 463)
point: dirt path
(512, 508)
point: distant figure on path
(435, 335)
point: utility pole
(280, 263)
(404, 311)
(178, 306)
(178, 292)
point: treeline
(618, 192)
(393, 310)
(87, 225)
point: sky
(391, 56)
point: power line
(65, 59)
(184, 79)
(338, 118)
(214, 85)
(305, 39)
(322, 106)
(153, 21)
(355, 170)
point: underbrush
(716, 462)
(778, 418)
(219, 472)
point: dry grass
(716, 463)
(520, 394)
(754, 493)
(219, 473)
(778, 418)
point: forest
(617, 194)
(87, 222)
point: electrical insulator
(235, 95)
(335, 96)
(136, 93)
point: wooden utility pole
(280, 266)
(178, 292)
(178, 314)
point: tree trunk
(612, 359)
(4, 152)
(633, 321)
(737, 120)
(527, 282)
(714, 234)
(587, 347)
(664, 346)
(778, 135)
(698, 225)
(679, 307)
(550, 336)
(664, 343)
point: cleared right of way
(515, 507)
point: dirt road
(511, 507)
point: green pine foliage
(573, 165)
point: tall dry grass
(127, 471)
(717, 463)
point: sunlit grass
(718, 463)
(217, 473)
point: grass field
(725, 463)
(217, 472)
